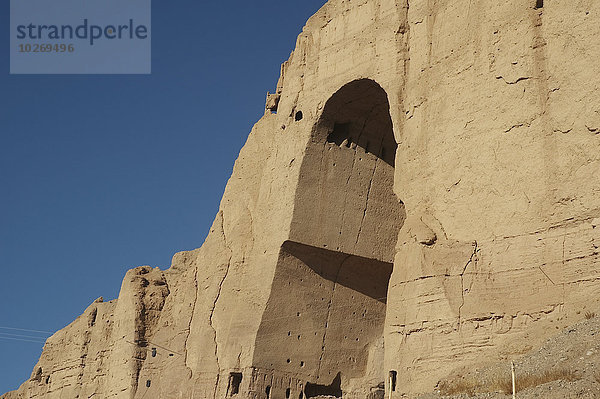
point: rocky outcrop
(102, 352)
(421, 195)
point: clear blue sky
(99, 174)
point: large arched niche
(323, 324)
(345, 200)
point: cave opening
(393, 377)
(332, 390)
(358, 116)
(235, 380)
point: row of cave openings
(308, 390)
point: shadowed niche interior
(358, 115)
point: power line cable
(22, 339)
(26, 330)
(22, 336)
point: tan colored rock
(425, 198)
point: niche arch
(324, 320)
(345, 199)
(358, 115)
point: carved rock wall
(421, 194)
(499, 121)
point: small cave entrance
(332, 390)
(325, 316)
(235, 380)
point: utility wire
(22, 336)
(26, 330)
(22, 339)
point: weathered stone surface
(425, 198)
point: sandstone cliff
(422, 194)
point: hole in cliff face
(358, 116)
(38, 375)
(539, 3)
(235, 380)
(393, 377)
(334, 389)
(333, 271)
(339, 133)
(299, 116)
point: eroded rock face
(425, 198)
(102, 352)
